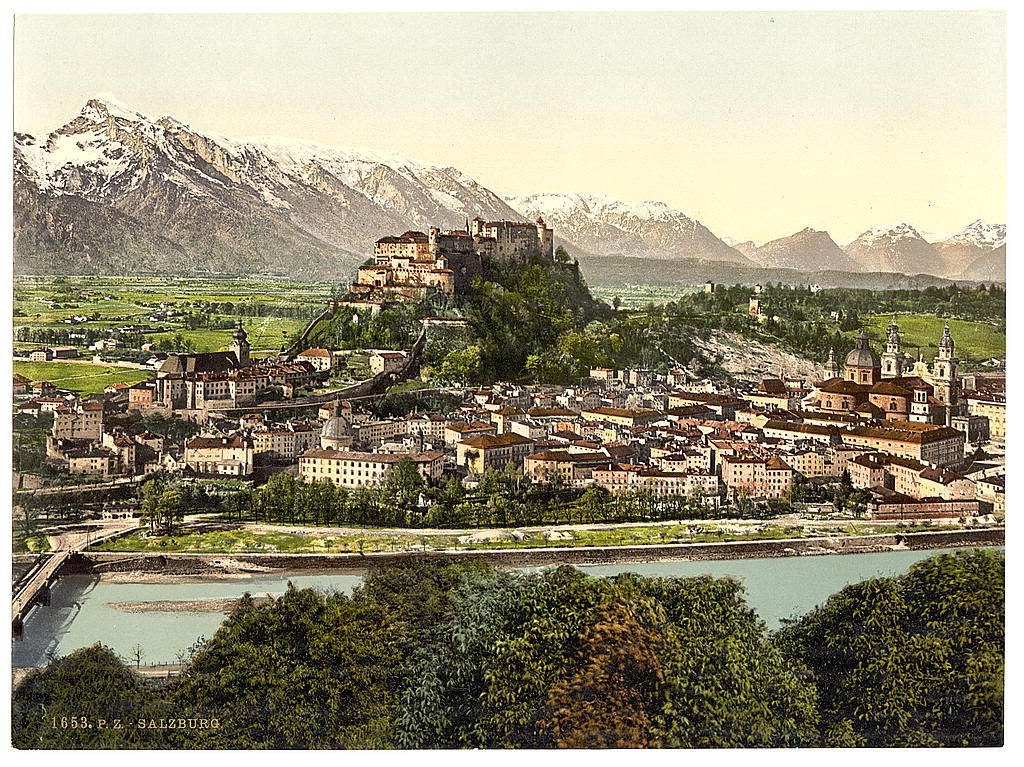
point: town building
(220, 456)
(756, 477)
(320, 359)
(358, 469)
(492, 451)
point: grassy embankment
(247, 541)
(35, 544)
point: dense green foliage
(51, 706)
(910, 661)
(683, 657)
(500, 499)
(436, 653)
(308, 671)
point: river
(80, 612)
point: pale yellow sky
(758, 124)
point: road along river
(166, 617)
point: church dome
(861, 356)
(335, 428)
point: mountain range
(117, 191)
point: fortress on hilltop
(411, 265)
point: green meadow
(975, 341)
(85, 379)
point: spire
(947, 339)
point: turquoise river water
(80, 612)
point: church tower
(240, 346)
(893, 361)
(831, 367)
(944, 372)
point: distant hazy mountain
(809, 250)
(605, 226)
(610, 273)
(747, 247)
(894, 248)
(976, 252)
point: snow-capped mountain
(607, 226)
(116, 190)
(893, 248)
(808, 250)
(978, 233)
(976, 252)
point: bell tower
(893, 360)
(832, 367)
(945, 378)
(240, 346)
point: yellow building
(994, 409)
(620, 416)
(352, 469)
(497, 451)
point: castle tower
(944, 372)
(893, 360)
(832, 367)
(432, 240)
(240, 346)
(547, 246)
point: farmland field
(284, 307)
(83, 378)
(639, 296)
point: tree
(461, 366)
(160, 506)
(305, 670)
(911, 660)
(605, 703)
(92, 684)
(404, 484)
(137, 654)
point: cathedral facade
(888, 387)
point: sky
(758, 124)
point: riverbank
(158, 567)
